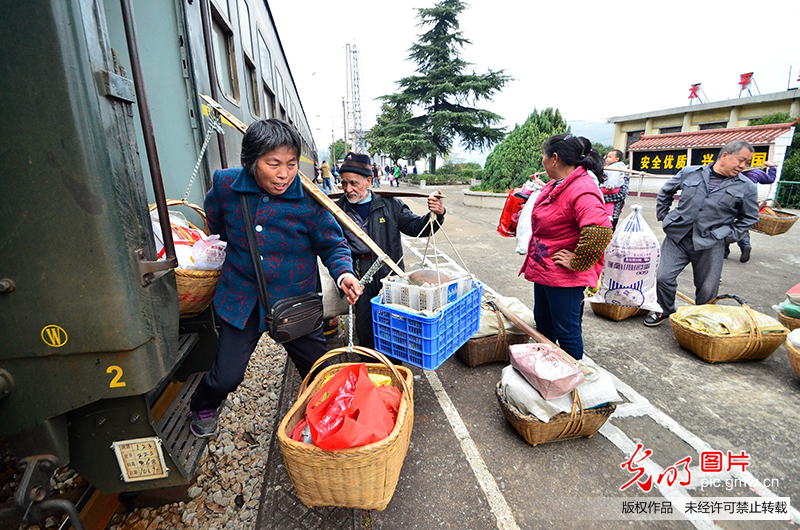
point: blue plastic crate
(425, 341)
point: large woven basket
(788, 322)
(580, 423)
(715, 348)
(196, 289)
(490, 349)
(360, 477)
(773, 222)
(615, 312)
(794, 357)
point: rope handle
(174, 202)
(755, 335)
(501, 340)
(361, 351)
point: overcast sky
(587, 59)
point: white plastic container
(424, 298)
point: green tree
(340, 149)
(443, 90)
(519, 155)
(394, 136)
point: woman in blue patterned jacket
(292, 229)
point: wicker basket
(615, 312)
(579, 423)
(360, 477)
(715, 348)
(794, 357)
(196, 289)
(788, 322)
(490, 349)
(774, 222)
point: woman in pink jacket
(571, 230)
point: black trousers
(235, 348)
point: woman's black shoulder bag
(290, 318)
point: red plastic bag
(297, 432)
(348, 411)
(510, 216)
(391, 397)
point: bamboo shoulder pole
(345, 221)
(315, 192)
(527, 328)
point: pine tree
(444, 91)
(394, 136)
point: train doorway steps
(173, 428)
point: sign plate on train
(140, 459)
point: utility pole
(354, 96)
(344, 120)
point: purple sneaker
(203, 423)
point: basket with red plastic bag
(359, 433)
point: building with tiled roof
(666, 154)
(727, 114)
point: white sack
(489, 326)
(332, 304)
(524, 228)
(631, 265)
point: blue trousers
(557, 311)
(326, 183)
(235, 348)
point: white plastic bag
(524, 229)
(208, 254)
(332, 304)
(631, 265)
(184, 237)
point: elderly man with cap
(383, 219)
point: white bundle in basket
(193, 249)
(631, 265)
(426, 297)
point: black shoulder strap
(253, 244)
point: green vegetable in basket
(789, 309)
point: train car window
(224, 57)
(244, 27)
(269, 103)
(222, 7)
(266, 60)
(252, 87)
(278, 85)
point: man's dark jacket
(388, 218)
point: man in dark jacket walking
(383, 219)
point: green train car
(95, 362)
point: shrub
(519, 155)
